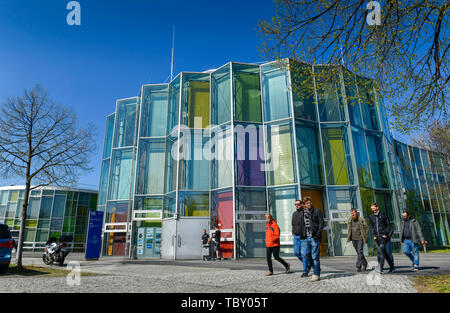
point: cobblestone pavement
(122, 276)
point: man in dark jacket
(381, 230)
(296, 220)
(310, 230)
(411, 236)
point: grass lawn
(30, 270)
(432, 284)
(445, 249)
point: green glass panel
(121, 175)
(308, 153)
(172, 165)
(104, 181)
(151, 162)
(33, 208)
(194, 167)
(44, 223)
(280, 170)
(193, 204)
(174, 104)
(367, 198)
(108, 136)
(247, 93)
(29, 235)
(221, 95)
(42, 235)
(275, 89)
(329, 94)
(93, 201)
(303, 91)
(154, 110)
(125, 123)
(4, 197)
(282, 206)
(69, 225)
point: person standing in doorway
(311, 234)
(217, 234)
(411, 235)
(381, 230)
(358, 234)
(273, 244)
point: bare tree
(407, 53)
(436, 138)
(41, 141)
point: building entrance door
(181, 238)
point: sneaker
(391, 270)
(269, 274)
(304, 275)
(315, 278)
(288, 268)
(415, 268)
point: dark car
(6, 246)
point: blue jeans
(311, 245)
(409, 246)
(298, 249)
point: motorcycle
(56, 250)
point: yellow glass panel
(31, 223)
(198, 104)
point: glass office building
(52, 212)
(226, 146)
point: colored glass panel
(195, 112)
(329, 95)
(275, 89)
(247, 93)
(377, 161)
(124, 133)
(193, 203)
(154, 110)
(120, 179)
(280, 169)
(151, 162)
(361, 157)
(337, 156)
(222, 147)
(221, 95)
(250, 149)
(108, 136)
(303, 91)
(308, 153)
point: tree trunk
(23, 220)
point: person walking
(273, 244)
(381, 229)
(311, 232)
(358, 234)
(296, 224)
(411, 235)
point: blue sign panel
(94, 235)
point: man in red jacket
(273, 244)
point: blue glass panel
(151, 162)
(108, 136)
(154, 110)
(308, 153)
(221, 95)
(120, 178)
(275, 89)
(124, 135)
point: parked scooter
(56, 250)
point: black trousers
(276, 255)
(382, 253)
(359, 247)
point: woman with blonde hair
(273, 244)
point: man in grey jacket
(411, 236)
(358, 234)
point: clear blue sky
(119, 46)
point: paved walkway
(124, 275)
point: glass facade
(236, 142)
(51, 212)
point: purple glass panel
(250, 165)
